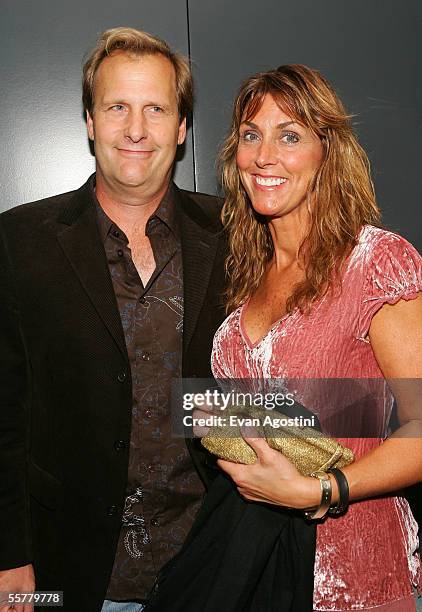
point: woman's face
(277, 159)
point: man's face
(135, 124)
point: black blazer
(65, 372)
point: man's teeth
(269, 182)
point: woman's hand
(273, 479)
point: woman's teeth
(269, 182)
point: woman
(318, 291)
(322, 298)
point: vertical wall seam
(193, 116)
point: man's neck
(127, 211)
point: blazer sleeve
(15, 541)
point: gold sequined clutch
(307, 448)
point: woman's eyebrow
(280, 126)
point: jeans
(121, 606)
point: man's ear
(182, 132)
(89, 125)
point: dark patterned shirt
(164, 491)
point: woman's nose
(267, 154)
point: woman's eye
(249, 136)
(290, 138)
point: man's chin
(132, 181)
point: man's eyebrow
(118, 100)
(112, 100)
(280, 126)
(156, 103)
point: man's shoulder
(207, 201)
(39, 210)
(208, 205)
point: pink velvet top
(366, 558)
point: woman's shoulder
(377, 239)
(384, 268)
(378, 248)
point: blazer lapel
(81, 243)
(200, 237)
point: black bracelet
(343, 492)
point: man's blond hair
(137, 43)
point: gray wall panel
(370, 52)
(42, 44)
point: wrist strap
(343, 492)
(321, 511)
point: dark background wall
(44, 145)
(368, 50)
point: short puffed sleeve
(393, 273)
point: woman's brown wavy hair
(343, 197)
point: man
(97, 284)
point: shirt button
(150, 468)
(116, 233)
(120, 445)
(155, 522)
(120, 253)
(142, 300)
(148, 414)
(121, 377)
(112, 511)
(145, 356)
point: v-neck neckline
(243, 332)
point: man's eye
(157, 109)
(290, 138)
(118, 107)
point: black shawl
(240, 556)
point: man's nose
(267, 154)
(136, 126)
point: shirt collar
(166, 213)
